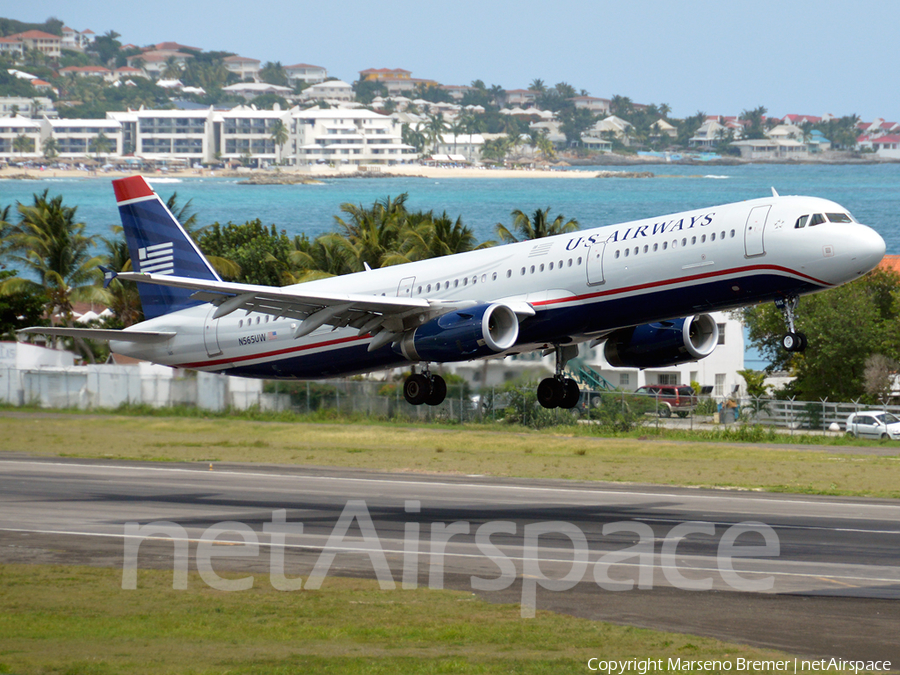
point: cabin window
(419, 291)
(693, 241)
(570, 262)
(494, 277)
(617, 254)
(627, 252)
(655, 247)
(712, 237)
(465, 281)
(674, 243)
(267, 318)
(732, 234)
(551, 267)
(455, 283)
(508, 273)
(541, 268)
(240, 323)
(475, 280)
(816, 219)
(684, 242)
(703, 239)
(257, 321)
(801, 222)
(532, 269)
(560, 264)
(523, 271)
(636, 250)
(722, 235)
(646, 248)
(665, 245)
(579, 260)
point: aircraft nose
(867, 249)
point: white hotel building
(349, 137)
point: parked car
(677, 398)
(874, 424)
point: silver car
(874, 424)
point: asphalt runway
(814, 576)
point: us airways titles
(643, 231)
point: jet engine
(462, 335)
(663, 343)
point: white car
(874, 424)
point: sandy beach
(305, 172)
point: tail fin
(157, 243)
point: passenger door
(754, 231)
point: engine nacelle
(664, 343)
(462, 335)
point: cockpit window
(801, 222)
(839, 217)
(816, 219)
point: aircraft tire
(550, 393)
(571, 394)
(793, 342)
(438, 391)
(416, 389)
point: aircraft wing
(141, 336)
(381, 316)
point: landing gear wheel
(793, 342)
(416, 389)
(550, 392)
(571, 394)
(438, 391)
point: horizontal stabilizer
(140, 336)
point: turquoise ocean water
(871, 192)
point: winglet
(774, 193)
(108, 275)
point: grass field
(78, 620)
(458, 450)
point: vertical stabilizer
(158, 244)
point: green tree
(273, 73)
(844, 325)
(366, 90)
(49, 243)
(433, 237)
(20, 309)
(575, 121)
(50, 148)
(106, 47)
(124, 298)
(260, 253)
(23, 144)
(434, 130)
(279, 136)
(536, 227)
(756, 119)
(100, 144)
(372, 236)
(172, 69)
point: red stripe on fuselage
(133, 187)
(280, 352)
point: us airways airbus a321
(645, 288)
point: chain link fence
(108, 387)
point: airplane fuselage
(579, 285)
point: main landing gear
(792, 341)
(559, 391)
(424, 387)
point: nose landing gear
(792, 341)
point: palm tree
(665, 109)
(537, 86)
(51, 245)
(50, 148)
(434, 129)
(125, 301)
(172, 70)
(536, 227)
(100, 144)
(372, 236)
(23, 144)
(279, 136)
(435, 237)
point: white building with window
(304, 72)
(83, 138)
(247, 132)
(333, 90)
(12, 128)
(183, 136)
(345, 136)
(246, 69)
